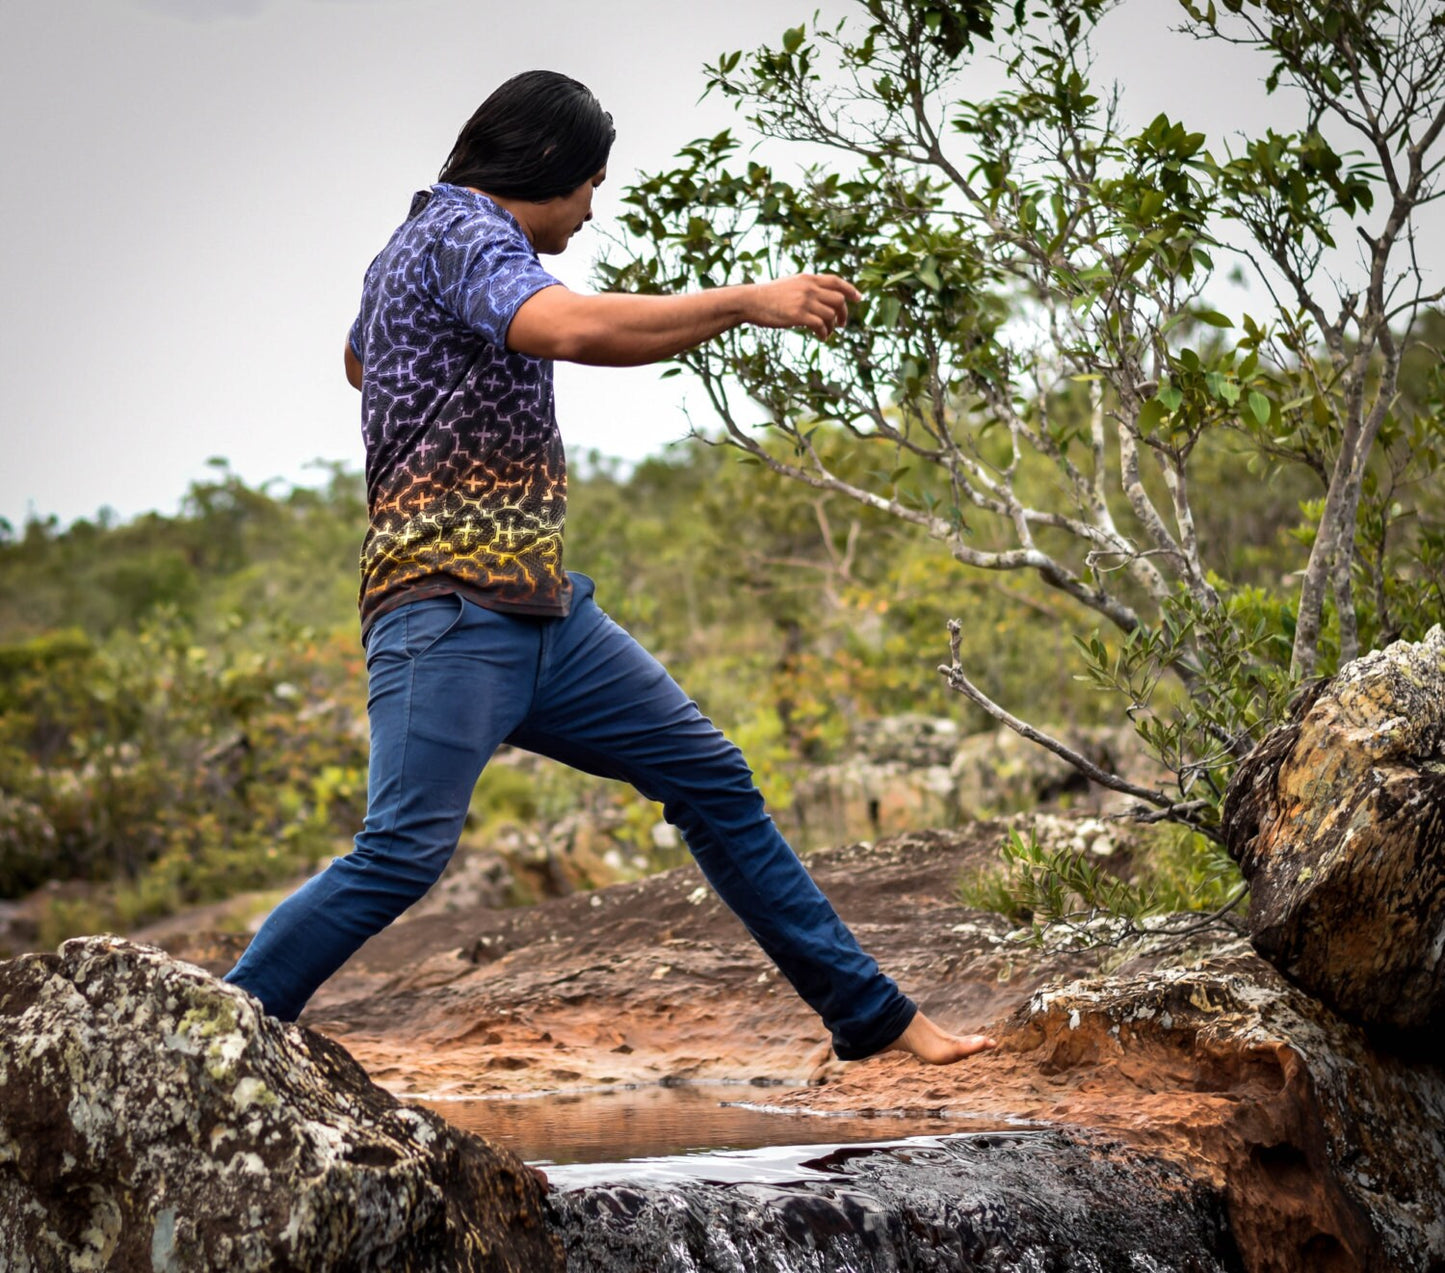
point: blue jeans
(449, 682)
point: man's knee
(406, 866)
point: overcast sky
(192, 189)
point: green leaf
(792, 39)
(1259, 405)
(1213, 318)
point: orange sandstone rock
(1337, 820)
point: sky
(191, 191)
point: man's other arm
(353, 367)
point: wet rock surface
(152, 1118)
(1338, 822)
(1028, 1200)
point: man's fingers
(815, 302)
(833, 299)
(835, 283)
(840, 293)
(822, 321)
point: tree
(1035, 371)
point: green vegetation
(178, 771)
(1062, 891)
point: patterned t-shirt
(466, 481)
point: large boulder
(1337, 820)
(152, 1117)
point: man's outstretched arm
(618, 330)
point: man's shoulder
(447, 231)
(461, 216)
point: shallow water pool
(620, 1124)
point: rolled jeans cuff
(883, 1030)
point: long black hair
(539, 135)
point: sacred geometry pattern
(465, 470)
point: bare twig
(957, 679)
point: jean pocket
(428, 621)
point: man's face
(557, 220)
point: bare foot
(936, 1046)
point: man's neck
(519, 208)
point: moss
(216, 1014)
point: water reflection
(618, 1124)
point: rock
(1094, 837)
(1019, 1200)
(910, 739)
(860, 796)
(153, 1118)
(912, 772)
(1337, 820)
(474, 878)
(895, 778)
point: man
(474, 633)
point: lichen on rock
(152, 1117)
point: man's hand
(817, 302)
(353, 367)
